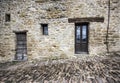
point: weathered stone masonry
(28, 15)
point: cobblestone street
(90, 69)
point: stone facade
(60, 41)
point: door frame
(81, 23)
(17, 32)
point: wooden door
(21, 46)
(81, 38)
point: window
(81, 38)
(7, 17)
(0, 17)
(44, 29)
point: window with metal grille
(44, 29)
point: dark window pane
(84, 38)
(84, 33)
(77, 34)
(84, 29)
(45, 29)
(7, 17)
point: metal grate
(21, 46)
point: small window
(7, 17)
(0, 17)
(44, 29)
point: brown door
(81, 38)
(21, 46)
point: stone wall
(29, 14)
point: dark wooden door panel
(81, 38)
(77, 48)
(84, 48)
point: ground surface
(98, 69)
